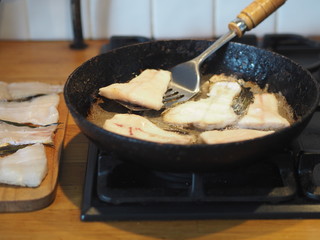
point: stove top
(284, 186)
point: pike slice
(26, 167)
(263, 114)
(41, 110)
(46, 100)
(146, 90)
(214, 112)
(136, 126)
(233, 135)
(27, 89)
(18, 135)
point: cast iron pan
(247, 62)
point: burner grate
(269, 181)
(93, 209)
(309, 173)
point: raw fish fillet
(234, 135)
(41, 110)
(26, 167)
(46, 100)
(135, 126)
(17, 135)
(4, 91)
(263, 114)
(26, 89)
(214, 112)
(146, 90)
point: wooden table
(52, 62)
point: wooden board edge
(25, 205)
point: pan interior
(245, 62)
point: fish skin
(27, 167)
(135, 126)
(145, 90)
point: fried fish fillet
(146, 90)
(214, 112)
(232, 135)
(263, 114)
(135, 126)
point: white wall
(51, 19)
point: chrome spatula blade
(186, 76)
(184, 85)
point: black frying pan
(247, 62)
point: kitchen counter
(52, 62)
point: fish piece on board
(232, 135)
(214, 112)
(46, 100)
(17, 135)
(26, 167)
(136, 126)
(146, 89)
(263, 114)
(26, 89)
(40, 110)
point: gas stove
(287, 185)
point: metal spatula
(185, 81)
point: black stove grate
(293, 202)
(269, 181)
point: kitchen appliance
(284, 186)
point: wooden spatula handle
(255, 13)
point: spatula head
(186, 75)
(184, 85)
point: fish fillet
(234, 135)
(26, 167)
(26, 89)
(263, 114)
(136, 126)
(18, 135)
(41, 110)
(146, 90)
(214, 112)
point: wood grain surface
(52, 62)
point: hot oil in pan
(103, 109)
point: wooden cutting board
(21, 199)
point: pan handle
(254, 14)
